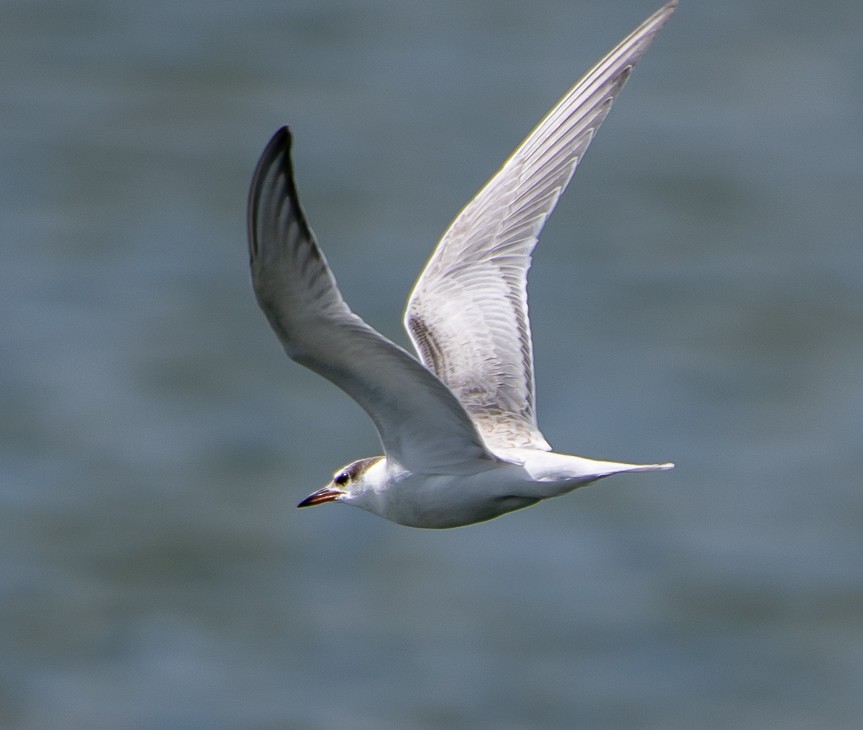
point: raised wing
(467, 315)
(421, 424)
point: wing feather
(422, 426)
(467, 315)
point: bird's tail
(642, 467)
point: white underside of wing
(467, 315)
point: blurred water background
(697, 297)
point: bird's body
(458, 425)
(480, 491)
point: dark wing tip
(277, 154)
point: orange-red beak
(327, 494)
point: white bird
(458, 425)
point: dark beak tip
(322, 495)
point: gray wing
(421, 424)
(467, 315)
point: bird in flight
(457, 421)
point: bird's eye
(341, 478)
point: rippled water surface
(698, 297)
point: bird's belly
(444, 501)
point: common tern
(457, 421)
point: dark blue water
(697, 297)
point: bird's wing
(467, 315)
(422, 425)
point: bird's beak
(327, 494)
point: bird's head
(348, 484)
